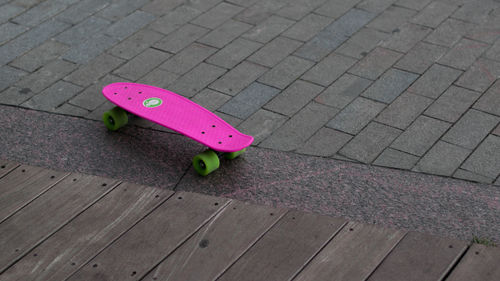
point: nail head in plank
(23, 185)
(285, 248)
(89, 233)
(218, 244)
(479, 263)
(46, 214)
(146, 244)
(352, 254)
(420, 257)
(6, 167)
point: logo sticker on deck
(152, 102)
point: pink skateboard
(179, 114)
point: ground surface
(70, 226)
(411, 85)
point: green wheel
(115, 118)
(232, 155)
(206, 162)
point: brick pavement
(404, 84)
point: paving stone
(375, 63)
(159, 78)
(421, 57)
(286, 72)
(90, 49)
(53, 96)
(136, 44)
(30, 39)
(225, 33)
(295, 97)
(203, 5)
(335, 9)
(118, 10)
(412, 4)
(188, 58)
(162, 7)
(443, 159)
(494, 52)
(15, 96)
(396, 159)
(231, 120)
(370, 142)
(334, 34)
(40, 13)
(196, 79)
(91, 72)
(434, 13)
(487, 32)
(404, 110)
(82, 10)
(243, 3)
(68, 109)
(391, 19)
(449, 32)
(259, 12)
(92, 97)
(420, 136)
(82, 31)
(98, 112)
(217, 15)
(39, 56)
(308, 27)
(390, 85)
(173, 20)
(129, 25)
(249, 100)
(354, 117)
(238, 78)
(181, 38)
(326, 142)
(470, 176)
(471, 129)
(9, 76)
(406, 37)
(268, 29)
(262, 124)
(490, 101)
(142, 64)
(361, 43)
(473, 11)
(463, 54)
(295, 11)
(329, 69)
(480, 75)
(233, 53)
(46, 76)
(9, 31)
(9, 11)
(375, 6)
(211, 99)
(497, 131)
(296, 131)
(435, 81)
(275, 51)
(343, 91)
(452, 104)
(485, 160)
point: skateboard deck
(177, 113)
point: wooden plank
(89, 233)
(46, 214)
(218, 244)
(285, 248)
(353, 254)
(6, 167)
(145, 245)
(23, 185)
(479, 263)
(420, 257)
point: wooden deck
(58, 226)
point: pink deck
(179, 114)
